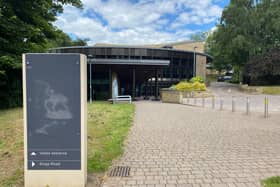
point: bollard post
(181, 98)
(266, 107)
(213, 102)
(233, 104)
(247, 106)
(203, 102)
(221, 104)
(195, 101)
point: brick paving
(176, 145)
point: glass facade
(136, 80)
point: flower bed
(184, 89)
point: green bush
(189, 86)
(271, 182)
(10, 82)
(197, 79)
(184, 86)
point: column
(90, 83)
(156, 84)
(110, 83)
(133, 83)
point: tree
(25, 26)
(62, 40)
(246, 30)
(199, 36)
(263, 69)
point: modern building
(139, 71)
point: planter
(174, 96)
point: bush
(10, 82)
(271, 182)
(197, 79)
(188, 86)
(263, 69)
(184, 86)
(199, 86)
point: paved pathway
(226, 91)
(178, 145)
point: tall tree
(246, 30)
(25, 26)
(199, 36)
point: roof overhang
(129, 62)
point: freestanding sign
(55, 140)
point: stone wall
(173, 96)
(170, 96)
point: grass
(108, 126)
(273, 90)
(11, 148)
(271, 182)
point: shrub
(271, 182)
(199, 86)
(197, 79)
(188, 86)
(184, 86)
(263, 69)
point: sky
(140, 21)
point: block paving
(172, 145)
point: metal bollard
(195, 101)
(213, 102)
(266, 107)
(203, 102)
(221, 104)
(247, 106)
(181, 98)
(192, 94)
(233, 104)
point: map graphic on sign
(56, 106)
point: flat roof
(131, 47)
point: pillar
(90, 83)
(133, 83)
(110, 83)
(156, 84)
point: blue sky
(140, 21)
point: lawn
(273, 90)
(108, 126)
(11, 147)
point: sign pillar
(55, 120)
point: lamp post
(90, 83)
(194, 61)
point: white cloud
(147, 21)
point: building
(139, 71)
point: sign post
(55, 120)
